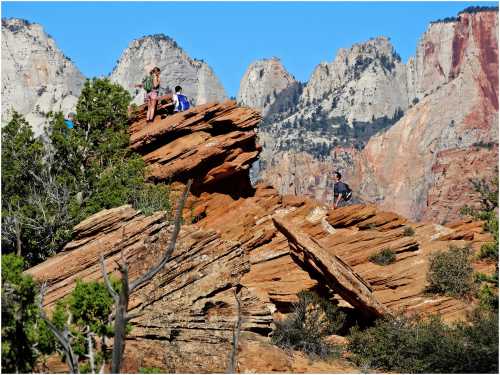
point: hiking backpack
(347, 195)
(147, 84)
(183, 103)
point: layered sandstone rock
(231, 254)
(36, 76)
(332, 271)
(197, 79)
(212, 142)
(235, 251)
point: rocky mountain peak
(404, 136)
(36, 76)
(450, 137)
(16, 24)
(159, 38)
(267, 86)
(375, 48)
(451, 44)
(197, 79)
(363, 69)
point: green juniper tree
(24, 335)
(85, 314)
(50, 186)
(22, 156)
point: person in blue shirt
(69, 120)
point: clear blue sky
(229, 36)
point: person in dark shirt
(339, 191)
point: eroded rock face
(215, 143)
(364, 82)
(268, 87)
(418, 165)
(36, 77)
(300, 173)
(230, 253)
(449, 137)
(198, 81)
(105, 233)
(361, 92)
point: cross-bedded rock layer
(230, 253)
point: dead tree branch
(107, 282)
(233, 357)
(121, 299)
(171, 246)
(63, 337)
(90, 356)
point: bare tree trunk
(63, 337)
(233, 357)
(91, 350)
(122, 299)
(17, 227)
(120, 322)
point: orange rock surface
(229, 249)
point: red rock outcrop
(230, 253)
(332, 271)
(212, 142)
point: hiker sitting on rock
(181, 102)
(151, 84)
(341, 192)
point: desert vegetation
(450, 272)
(413, 344)
(383, 257)
(488, 191)
(428, 345)
(305, 329)
(52, 182)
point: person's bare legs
(152, 104)
(148, 114)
